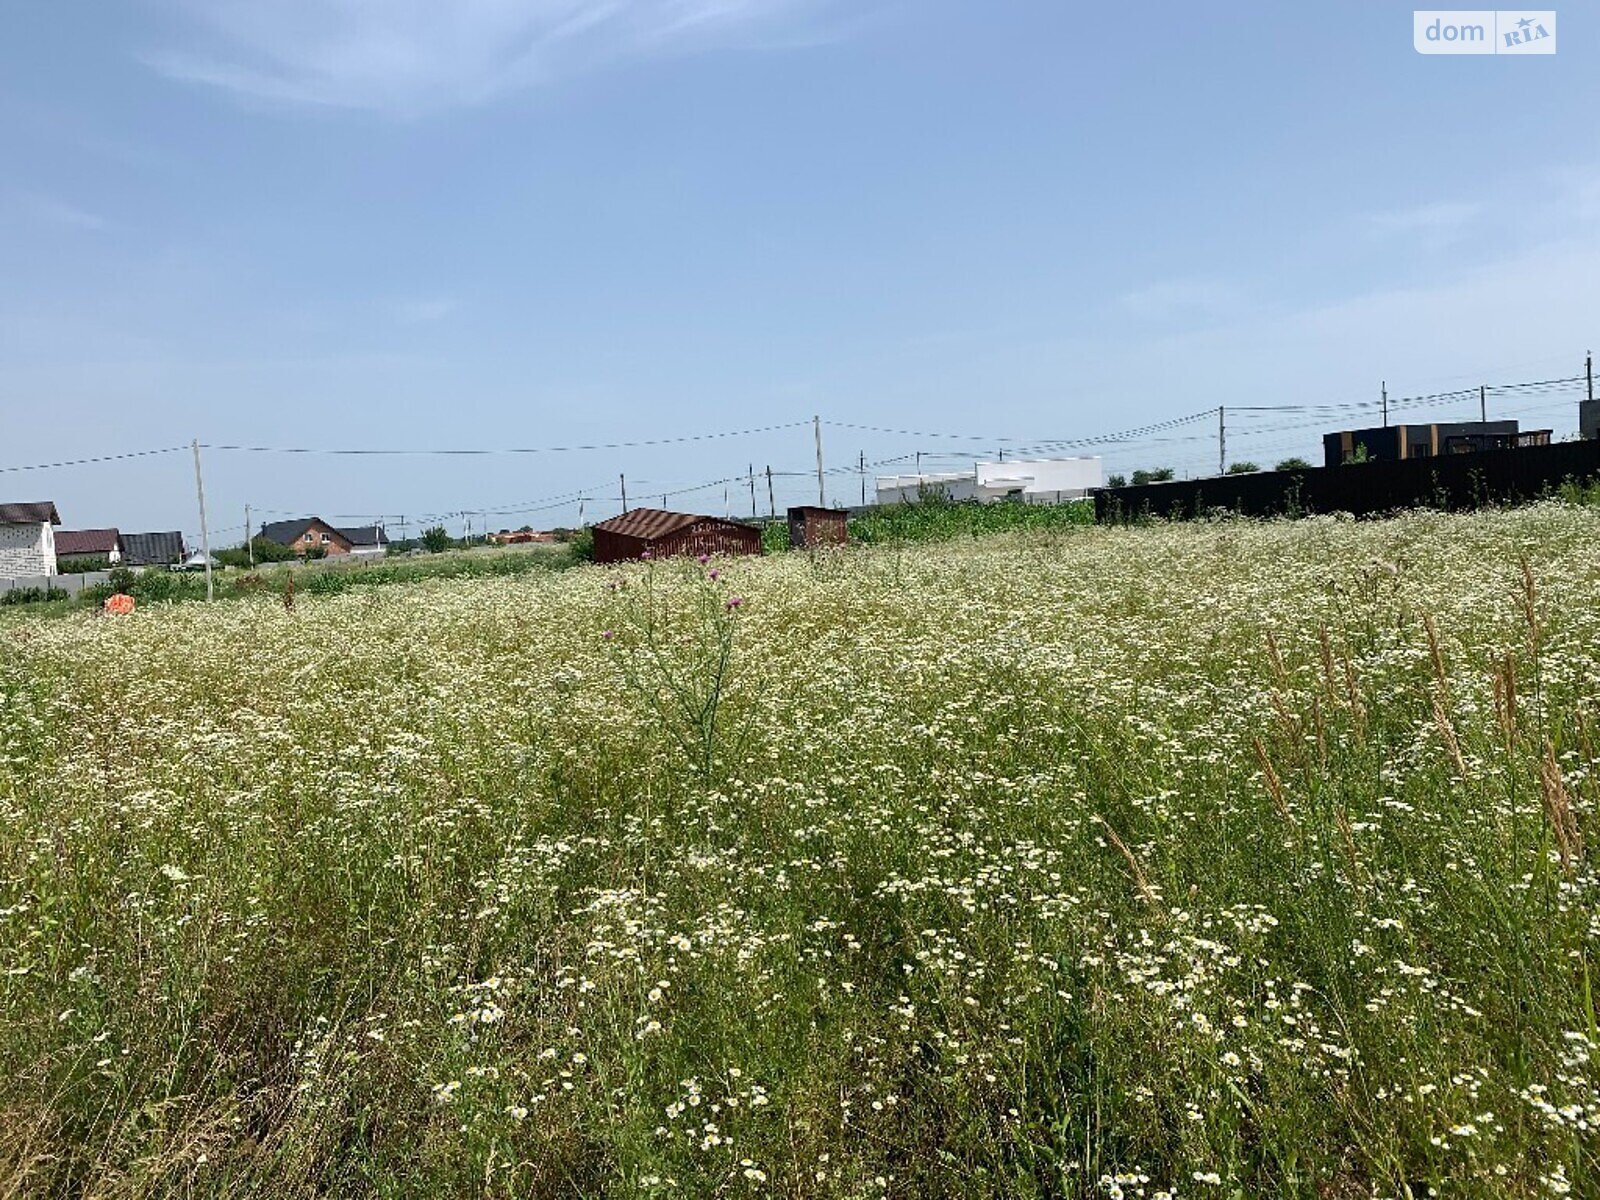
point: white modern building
(1032, 481)
(28, 539)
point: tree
(1293, 464)
(436, 539)
(1358, 455)
(1242, 468)
(1157, 475)
(1116, 481)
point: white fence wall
(70, 584)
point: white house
(28, 539)
(1032, 481)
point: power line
(104, 458)
(475, 451)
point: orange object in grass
(119, 605)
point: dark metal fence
(1452, 481)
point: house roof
(285, 532)
(366, 535)
(34, 512)
(152, 549)
(650, 523)
(86, 541)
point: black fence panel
(1453, 481)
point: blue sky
(402, 224)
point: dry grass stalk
(1447, 731)
(1530, 606)
(1358, 710)
(1322, 733)
(1558, 809)
(1329, 679)
(1274, 784)
(1140, 879)
(1280, 673)
(1505, 700)
(1437, 656)
(1347, 837)
(1293, 728)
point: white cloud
(1189, 299)
(1433, 226)
(412, 56)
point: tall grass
(1217, 860)
(935, 519)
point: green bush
(775, 537)
(933, 520)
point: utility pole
(727, 505)
(249, 542)
(623, 480)
(752, 491)
(1386, 404)
(1483, 406)
(822, 494)
(772, 505)
(1588, 370)
(205, 533)
(919, 466)
(580, 512)
(1222, 440)
(863, 469)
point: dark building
(1397, 443)
(660, 534)
(152, 549)
(812, 526)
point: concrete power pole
(1386, 404)
(772, 505)
(623, 480)
(249, 542)
(822, 494)
(205, 533)
(1222, 440)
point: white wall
(1037, 481)
(27, 550)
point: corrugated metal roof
(650, 523)
(85, 541)
(152, 549)
(33, 512)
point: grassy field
(1217, 860)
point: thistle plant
(672, 637)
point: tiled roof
(36, 512)
(85, 541)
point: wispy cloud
(1433, 226)
(1171, 299)
(424, 310)
(50, 211)
(413, 56)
